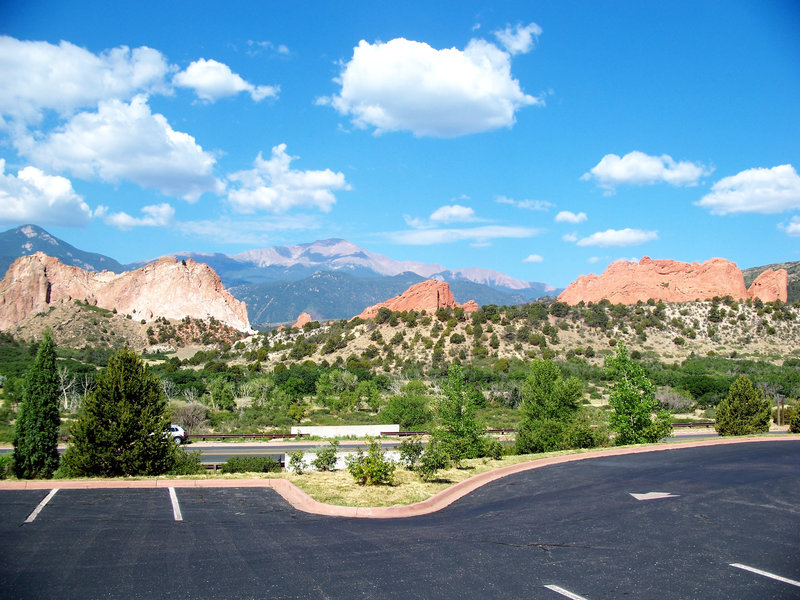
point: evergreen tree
(743, 411)
(38, 421)
(458, 433)
(549, 408)
(636, 417)
(123, 427)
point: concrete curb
(300, 500)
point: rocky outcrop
(429, 296)
(302, 319)
(770, 285)
(625, 282)
(166, 288)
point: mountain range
(329, 279)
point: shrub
(251, 464)
(296, 462)
(743, 411)
(433, 460)
(411, 450)
(6, 465)
(372, 468)
(326, 457)
(187, 463)
(794, 423)
(410, 410)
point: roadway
(713, 522)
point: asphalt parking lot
(713, 522)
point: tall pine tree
(38, 421)
(123, 429)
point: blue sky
(540, 139)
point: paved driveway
(573, 530)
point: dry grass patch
(340, 488)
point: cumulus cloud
(570, 237)
(156, 215)
(526, 204)
(403, 85)
(212, 80)
(273, 186)
(765, 191)
(534, 258)
(478, 235)
(65, 77)
(618, 237)
(126, 141)
(638, 168)
(453, 213)
(32, 196)
(519, 39)
(793, 227)
(566, 216)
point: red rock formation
(429, 296)
(302, 320)
(165, 288)
(770, 285)
(625, 282)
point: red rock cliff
(166, 288)
(427, 295)
(625, 282)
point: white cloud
(518, 40)
(480, 235)
(765, 191)
(403, 85)
(793, 228)
(527, 204)
(274, 187)
(126, 141)
(638, 168)
(618, 237)
(212, 80)
(65, 77)
(33, 197)
(570, 237)
(593, 259)
(250, 231)
(534, 258)
(453, 213)
(156, 215)
(566, 216)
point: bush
(794, 424)
(187, 463)
(296, 462)
(6, 465)
(411, 450)
(372, 468)
(410, 410)
(326, 457)
(251, 464)
(743, 411)
(433, 460)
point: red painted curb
(302, 501)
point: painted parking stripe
(766, 574)
(32, 517)
(565, 593)
(176, 508)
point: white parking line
(176, 508)
(766, 574)
(42, 504)
(565, 593)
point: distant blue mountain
(29, 239)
